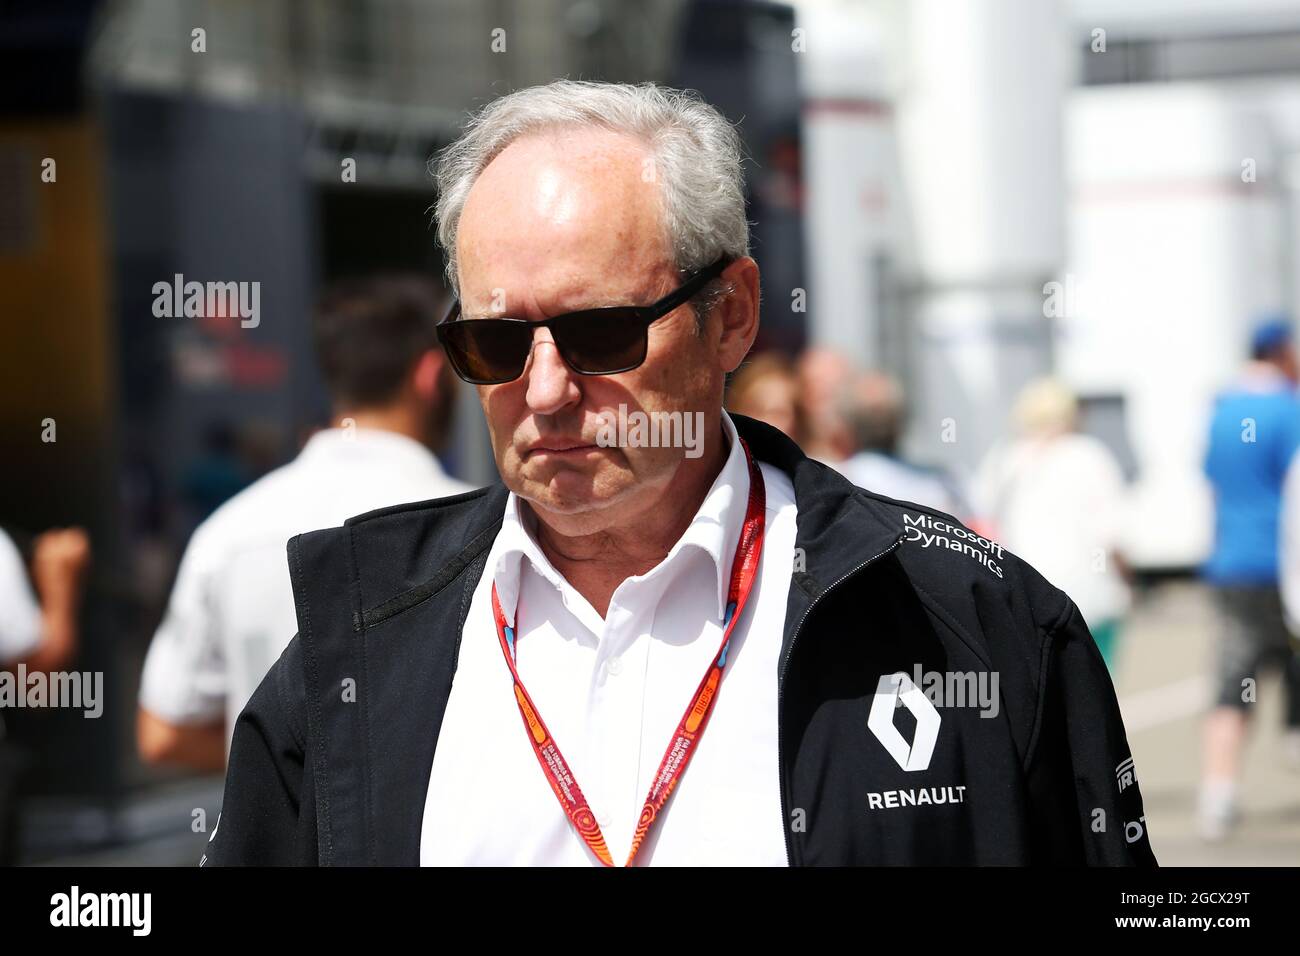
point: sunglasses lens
(601, 341)
(487, 351)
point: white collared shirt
(612, 691)
(20, 615)
(231, 610)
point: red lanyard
(744, 568)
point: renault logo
(895, 689)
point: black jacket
(331, 758)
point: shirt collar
(370, 443)
(714, 530)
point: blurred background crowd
(1028, 262)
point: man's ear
(738, 311)
(425, 375)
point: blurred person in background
(1055, 497)
(37, 631)
(871, 404)
(231, 610)
(40, 630)
(767, 388)
(823, 375)
(1254, 433)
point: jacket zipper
(780, 694)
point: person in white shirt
(41, 632)
(20, 615)
(668, 636)
(1055, 497)
(231, 609)
(614, 563)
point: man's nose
(552, 385)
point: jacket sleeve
(1086, 806)
(268, 812)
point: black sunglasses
(591, 341)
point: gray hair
(697, 156)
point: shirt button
(602, 818)
(614, 665)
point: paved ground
(1163, 672)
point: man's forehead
(540, 187)
(568, 217)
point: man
(1254, 433)
(645, 647)
(231, 611)
(872, 406)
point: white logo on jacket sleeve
(930, 532)
(1124, 774)
(895, 689)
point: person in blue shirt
(1254, 432)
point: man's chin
(571, 502)
(554, 498)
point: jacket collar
(840, 526)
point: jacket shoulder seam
(320, 774)
(363, 715)
(952, 623)
(1044, 666)
(287, 708)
